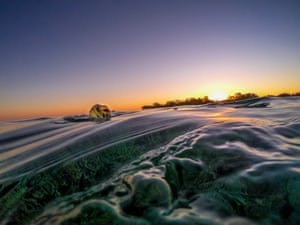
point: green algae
(99, 212)
(28, 197)
(205, 183)
(14, 194)
(293, 188)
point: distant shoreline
(205, 100)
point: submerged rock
(148, 191)
(100, 113)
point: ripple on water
(211, 171)
(218, 174)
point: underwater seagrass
(194, 165)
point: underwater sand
(233, 164)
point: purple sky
(62, 56)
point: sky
(59, 57)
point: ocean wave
(192, 165)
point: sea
(234, 163)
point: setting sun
(218, 96)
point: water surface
(236, 163)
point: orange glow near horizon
(130, 55)
(80, 106)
